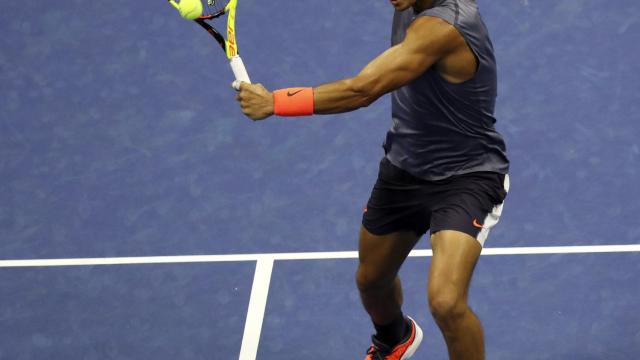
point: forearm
(342, 96)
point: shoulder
(432, 31)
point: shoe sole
(416, 342)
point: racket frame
(228, 45)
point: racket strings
(213, 7)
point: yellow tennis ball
(189, 9)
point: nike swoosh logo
(477, 224)
(289, 93)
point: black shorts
(470, 203)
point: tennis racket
(213, 9)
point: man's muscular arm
(428, 40)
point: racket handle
(239, 71)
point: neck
(422, 5)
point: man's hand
(255, 101)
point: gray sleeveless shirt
(442, 129)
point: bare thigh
(455, 255)
(381, 256)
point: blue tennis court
(142, 216)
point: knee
(369, 280)
(447, 307)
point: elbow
(364, 90)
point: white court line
(302, 256)
(257, 305)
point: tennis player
(444, 170)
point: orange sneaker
(402, 351)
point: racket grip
(239, 71)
